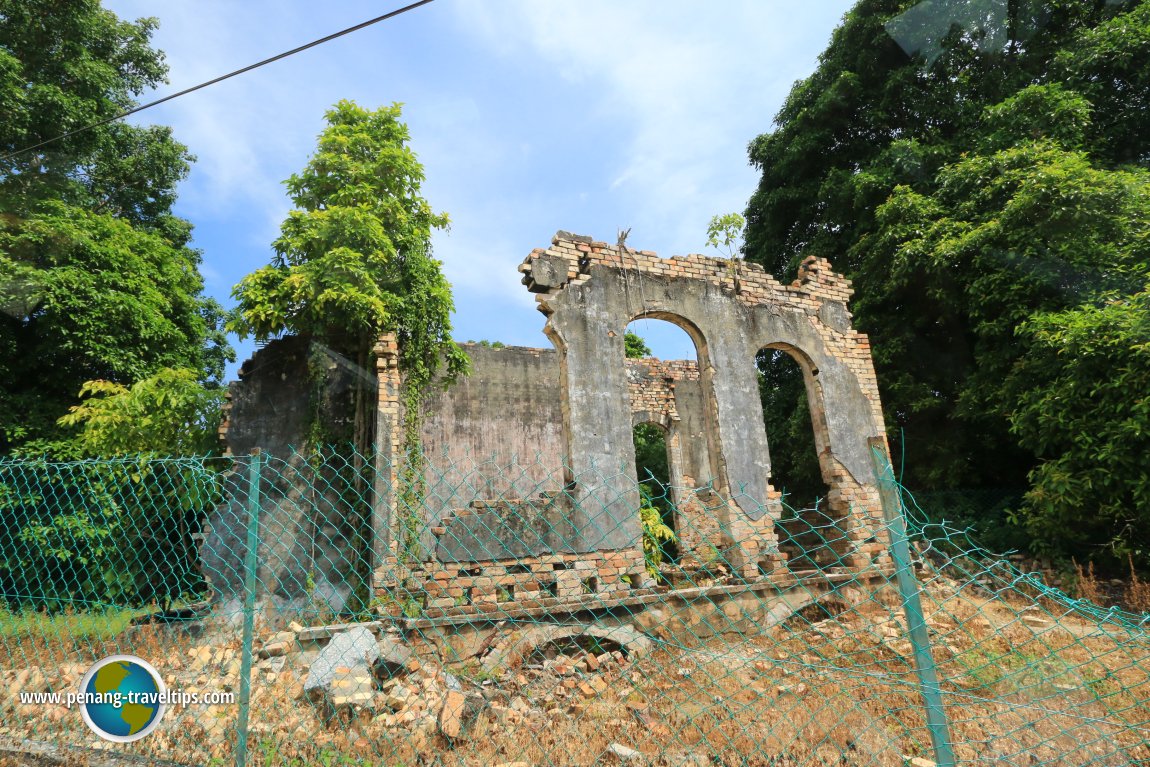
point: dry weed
(1138, 592)
(1086, 585)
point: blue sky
(528, 116)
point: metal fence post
(250, 565)
(924, 666)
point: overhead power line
(221, 78)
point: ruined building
(529, 488)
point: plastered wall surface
(529, 474)
(590, 291)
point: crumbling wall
(529, 463)
(495, 433)
(305, 532)
(591, 291)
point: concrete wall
(305, 534)
(497, 433)
(591, 291)
(537, 443)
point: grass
(98, 625)
(269, 754)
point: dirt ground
(1025, 683)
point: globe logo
(122, 698)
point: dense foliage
(97, 281)
(100, 298)
(353, 259)
(115, 532)
(168, 414)
(988, 196)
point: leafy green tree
(725, 233)
(1082, 395)
(872, 118)
(63, 66)
(169, 413)
(96, 277)
(1107, 65)
(634, 346)
(488, 344)
(966, 191)
(94, 298)
(353, 259)
(1030, 228)
(1034, 226)
(651, 458)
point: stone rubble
(375, 682)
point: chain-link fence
(323, 608)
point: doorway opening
(809, 530)
(657, 502)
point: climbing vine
(352, 262)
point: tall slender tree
(353, 259)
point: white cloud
(687, 84)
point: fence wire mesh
(326, 608)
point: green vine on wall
(353, 261)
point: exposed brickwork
(652, 387)
(581, 535)
(812, 309)
(651, 383)
(495, 586)
(389, 450)
(817, 284)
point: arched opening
(668, 415)
(658, 338)
(657, 497)
(809, 530)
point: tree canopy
(168, 413)
(97, 281)
(987, 195)
(634, 346)
(353, 259)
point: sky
(529, 116)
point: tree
(966, 191)
(871, 117)
(169, 413)
(120, 530)
(1107, 65)
(725, 233)
(634, 346)
(1082, 406)
(353, 259)
(97, 281)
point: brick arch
(815, 401)
(590, 291)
